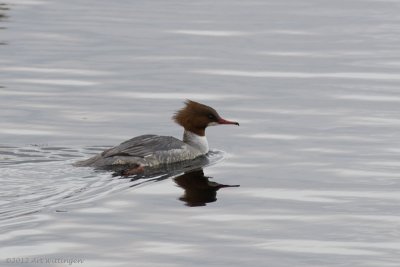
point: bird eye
(211, 116)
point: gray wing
(144, 145)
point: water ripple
(301, 75)
(34, 178)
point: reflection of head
(198, 189)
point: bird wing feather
(143, 146)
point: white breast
(198, 142)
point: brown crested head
(195, 117)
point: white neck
(196, 141)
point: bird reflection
(189, 175)
(199, 190)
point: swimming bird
(154, 150)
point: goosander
(153, 150)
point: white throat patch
(198, 142)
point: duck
(151, 150)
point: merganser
(152, 150)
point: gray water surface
(314, 85)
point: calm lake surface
(314, 84)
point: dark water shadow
(3, 8)
(199, 190)
(3, 16)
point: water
(314, 85)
